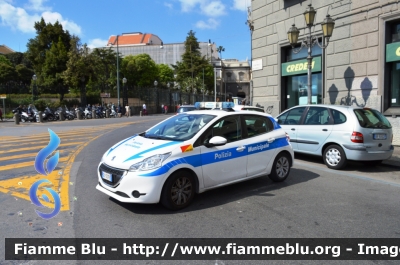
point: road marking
(19, 187)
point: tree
(220, 49)
(7, 72)
(193, 64)
(48, 35)
(80, 69)
(165, 74)
(53, 67)
(18, 58)
(105, 68)
(140, 69)
(24, 73)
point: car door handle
(325, 130)
(293, 129)
(270, 140)
(240, 148)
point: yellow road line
(26, 164)
(26, 155)
(36, 147)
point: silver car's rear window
(370, 118)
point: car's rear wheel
(334, 157)
(178, 191)
(281, 168)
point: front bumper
(360, 153)
(130, 187)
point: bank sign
(393, 52)
(300, 67)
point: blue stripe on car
(218, 156)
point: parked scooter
(48, 114)
(26, 117)
(69, 115)
(87, 114)
(113, 113)
(99, 112)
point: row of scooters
(49, 115)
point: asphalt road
(314, 202)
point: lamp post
(34, 77)
(223, 80)
(125, 100)
(310, 40)
(215, 85)
(116, 41)
(155, 86)
(83, 92)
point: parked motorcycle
(87, 114)
(99, 113)
(69, 115)
(48, 114)
(25, 116)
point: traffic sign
(3, 96)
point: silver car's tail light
(357, 137)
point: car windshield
(370, 118)
(179, 128)
(185, 109)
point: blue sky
(222, 21)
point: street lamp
(34, 77)
(116, 40)
(83, 92)
(310, 40)
(215, 85)
(125, 100)
(155, 85)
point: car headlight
(150, 163)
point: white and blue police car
(192, 153)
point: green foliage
(4, 60)
(24, 73)
(17, 58)
(47, 35)
(140, 70)
(165, 74)
(193, 65)
(7, 72)
(220, 49)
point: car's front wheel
(334, 157)
(281, 168)
(178, 191)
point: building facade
(161, 53)
(359, 67)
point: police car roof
(222, 113)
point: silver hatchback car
(338, 133)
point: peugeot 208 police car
(194, 152)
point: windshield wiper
(156, 137)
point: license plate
(380, 136)
(106, 176)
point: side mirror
(216, 141)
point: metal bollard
(140, 113)
(107, 113)
(17, 118)
(78, 115)
(93, 114)
(40, 117)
